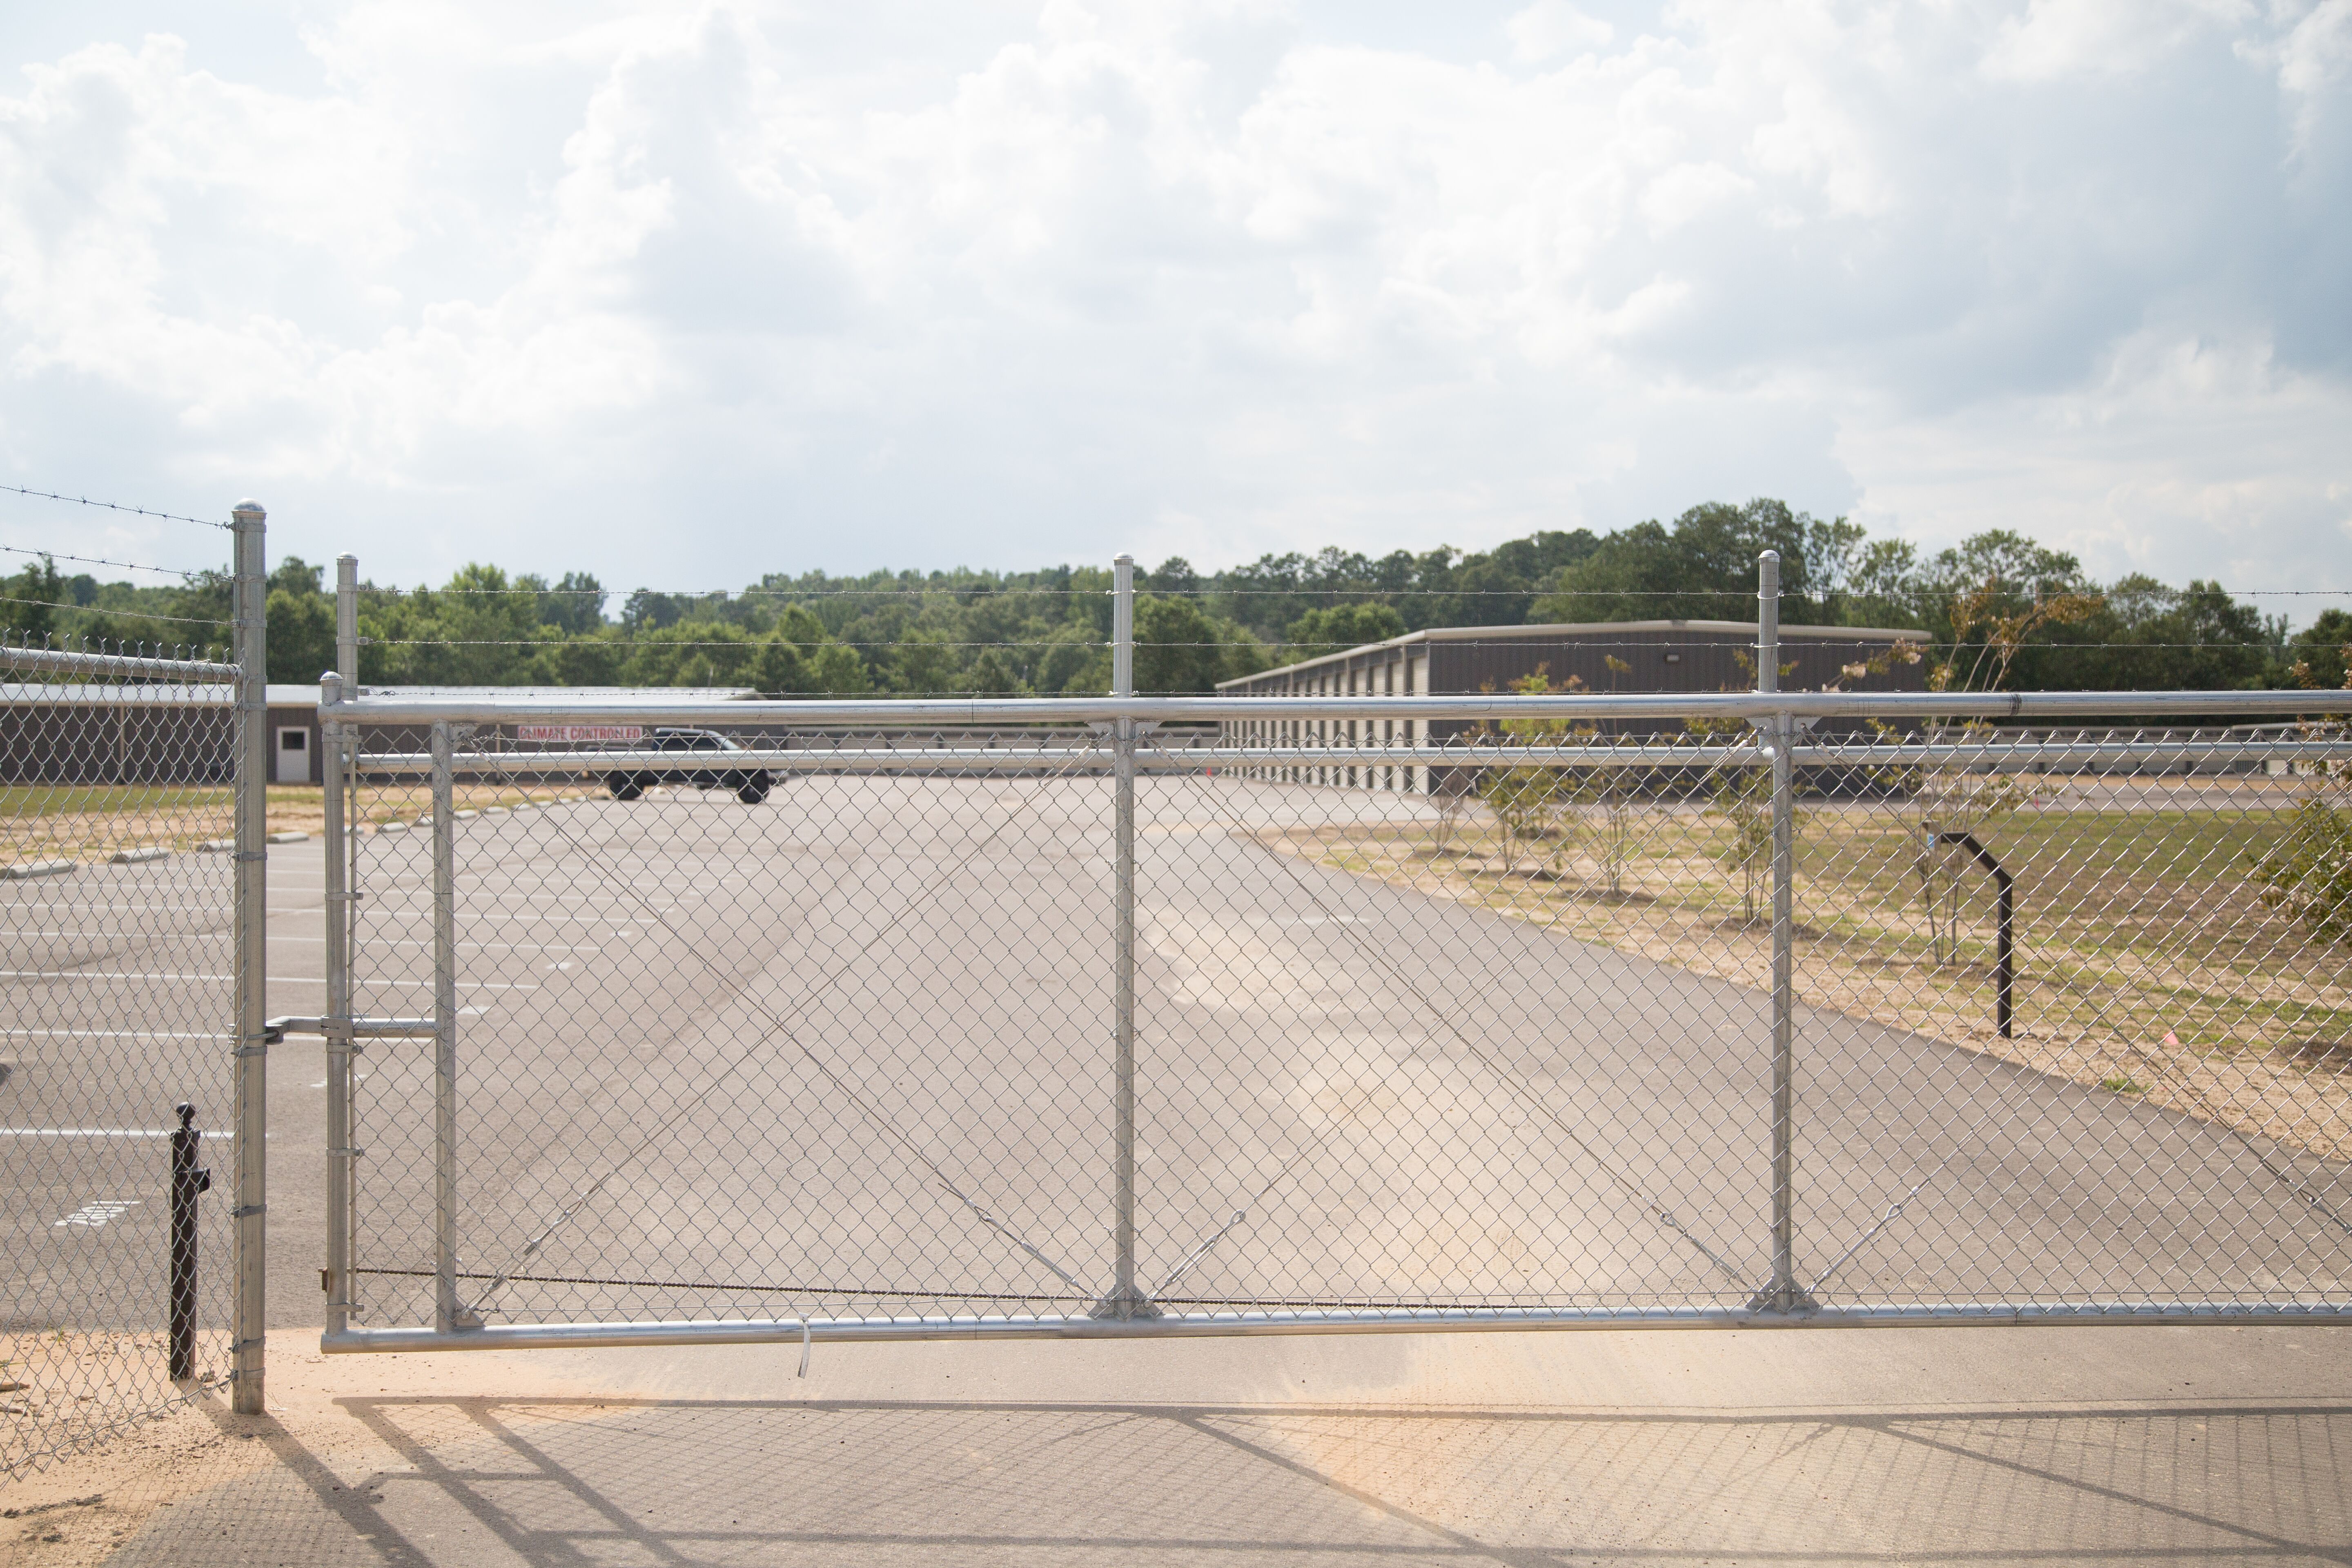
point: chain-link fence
(665, 1022)
(118, 895)
(132, 1096)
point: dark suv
(750, 784)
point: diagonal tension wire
(873, 1113)
(1512, 1080)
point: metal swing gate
(668, 1020)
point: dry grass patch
(2147, 962)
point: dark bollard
(2004, 960)
(188, 1181)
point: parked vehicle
(750, 784)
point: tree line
(1997, 610)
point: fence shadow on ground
(571, 1481)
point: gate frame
(1778, 719)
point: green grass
(61, 800)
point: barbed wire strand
(641, 640)
(113, 506)
(100, 561)
(986, 590)
(133, 614)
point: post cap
(248, 507)
(187, 1114)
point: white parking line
(223, 908)
(367, 985)
(117, 934)
(114, 1034)
(84, 1132)
(98, 974)
(476, 947)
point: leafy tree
(923, 665)
(1176, 651)
(1704, 568)
(2321, 655)
(32, 596)
(1318, 632)
(296, 575)
(300, 645)
(2309, 874)
(574, 606)
(1173, 575)
(474, 631)
(2146, 635)
(990, 676)
(1529, 804)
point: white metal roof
(98, 694)
(1556, 629)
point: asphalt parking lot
(722, 1059)
(848, 1052)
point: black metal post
(2004, 950)
(188, 1181)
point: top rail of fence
(113, 666)
(979, 712)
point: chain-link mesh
(117, 899)
(823, 1029)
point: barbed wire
(113, 506)
(1923, 643)
(100, 561)
(22, 639)
(133, 614)
(981, 589)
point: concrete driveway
(1930, 1447)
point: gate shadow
(582, 1480)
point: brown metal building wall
(73, 742)
(1710, 661)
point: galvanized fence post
(250, 1202)
(1783, 1294)
(338, 747)
(1125, 1300)
(445, 1034)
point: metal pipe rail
(1226, 1324)
(2023, 756)
(114, 666)
(984, 713)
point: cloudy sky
(680, 293)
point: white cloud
(1550, 28)
(687, 291)
(2058, 38)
